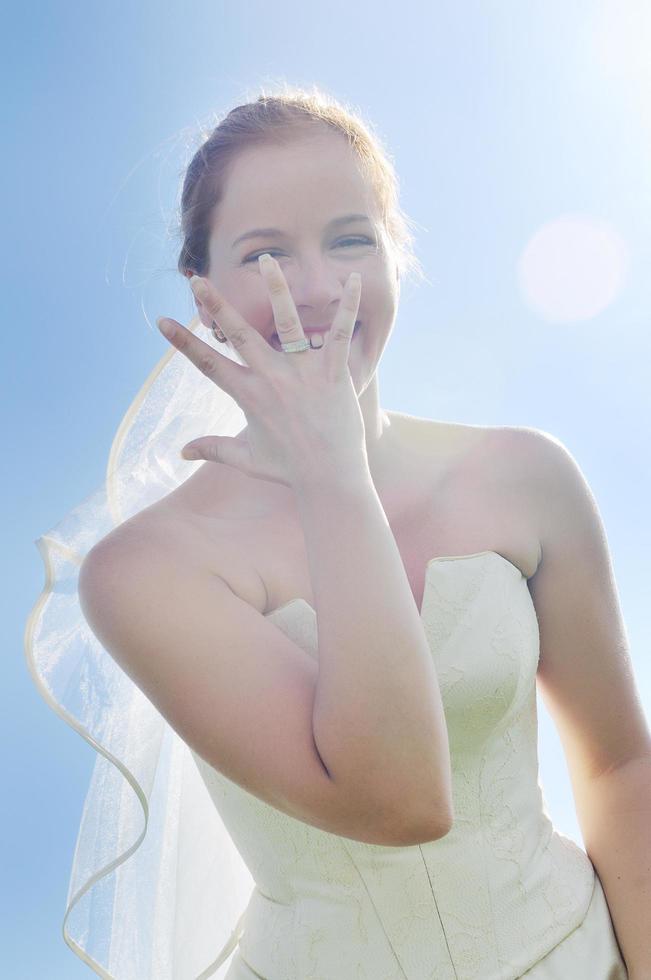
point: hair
(280, 119)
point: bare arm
(587, 680)
(236, 689)
(378, 717)
(378, 720)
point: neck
(382, 445)
(380, 433)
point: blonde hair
(280, 119)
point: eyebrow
(345, 219)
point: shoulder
(447, 440)
(175, 534)
(562, 502)
(576, 566)
(535, 446)
(522, 477)
(495, 456)
(180, 522)
(558, 487)
(144, 557)
(157, 534)
(535, 443)
(520, 445)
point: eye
(357, 240)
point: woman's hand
(302, 409)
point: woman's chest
(479, 504)
(453, 523)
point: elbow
(444, 827)
(432, 828)
(439, 828)
(438, 818)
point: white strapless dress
(502, 895)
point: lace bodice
(484, 902)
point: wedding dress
(180, 874)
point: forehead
(285, 186)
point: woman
(378, 777)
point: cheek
(250, 299)
(380, 300)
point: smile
(309, 331)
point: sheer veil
(157, 887)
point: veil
(157, 887)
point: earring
(217, 334)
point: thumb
(232, 451)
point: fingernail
(197, 283)
(164, 326)
(265, 260)
(189, 453)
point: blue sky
(522, 137)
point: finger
(287, 320)
(226, 374)
(253, 349)
(232, 451)
(338, 338)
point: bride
(343, 612)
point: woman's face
(305, 191)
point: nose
(316, 288)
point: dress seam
(436, 906)
(377, 914)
